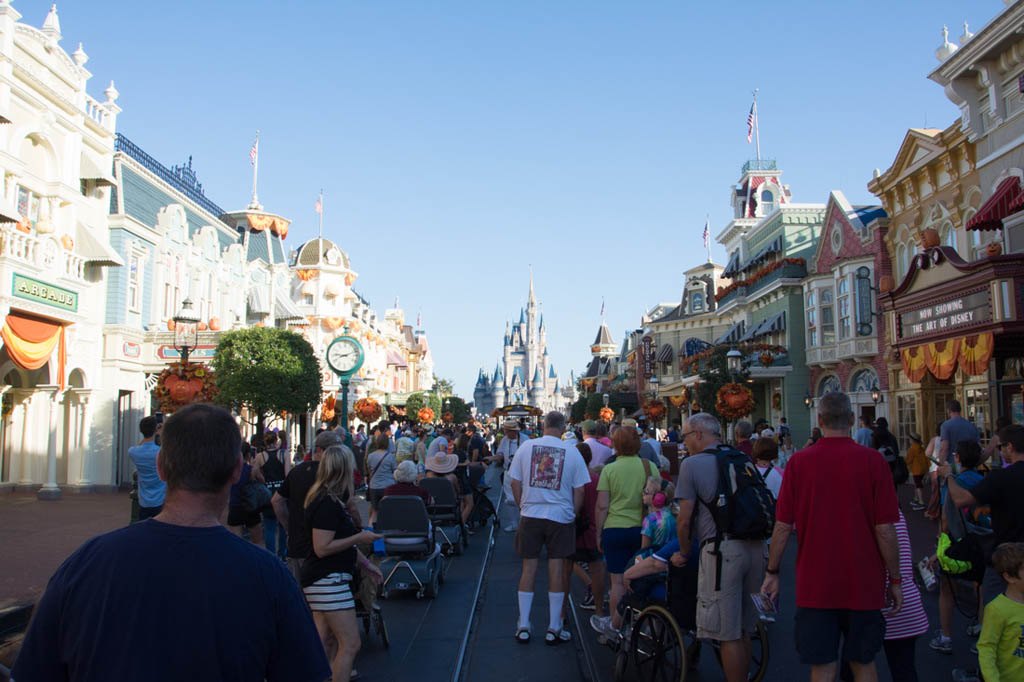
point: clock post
(345, 356)
(344, 410)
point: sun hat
(767, 433)
(510, 423)
(629, 422)
(442, 464)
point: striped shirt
(911, 620)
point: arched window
(947, 235)
(902, 263)
(697, 302)
(767, 202)
(863, 381)
(829, 384)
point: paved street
(37, 536)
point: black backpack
(273, 470)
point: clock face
(345, 355)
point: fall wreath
(654, 409)
(735, 401)
(183, 383)
(367, 409)
(607, 414)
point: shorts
(586, 555)
(331, 593)
(240, 516)
(534, 533)
(373, 496)
(918, 480)
(727, 613)
(619, 546)
(818, 631)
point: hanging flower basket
(766, 359)
(654, 409)
(607, 414)
(447, 417)
(181, 384)
(367, 409)
(425, 415)
(735, 401)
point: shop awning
(93, 170)
(773, 247)
(331, 289)
(395, 358)
(665, 353)
(308, 288)
(733, 335)
(998, 206)
(285, 308)
(771, 325)
(733, 266)
(95, 250)
(259, 301)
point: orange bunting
(940, 357)
(260, 222)
(306, 275)
(280, 227)
(333, 322)
(975, 353)
(350, 279)
(914, 366)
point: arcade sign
(946, 316)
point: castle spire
(532, 300)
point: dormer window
(697, 302)
(767, 202)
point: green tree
(459, 409)
(266, 370)
(444, 386)
(579, 409)
(416, 401)
(715, 375)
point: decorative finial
(80, 56)
(51, 26)
(947, 48)
(111, 93)
(967, 35)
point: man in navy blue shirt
(176, 597)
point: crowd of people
(598, 500)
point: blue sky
(458, 142)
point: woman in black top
(328, 571)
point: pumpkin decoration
(23, 226)
(734, 401)
(67, 242)
(886, 283)
(929, 237)
(766, 359)
(425, 415)
(367, 409)
(994, 249)
(214, 324)
(183, 383)
(607, 414)
(654, 409)
(201, 326)
(170, 325)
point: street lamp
(808, 400)
(733, 360)
(876, 395)
(605, 397)
(186, 330)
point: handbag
(255, 496)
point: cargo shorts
(727, 613)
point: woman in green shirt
(620, 514)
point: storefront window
(978, 411)
(844, 309)
(28, 205)
(828, 324)
(812, 322)
(906, 420)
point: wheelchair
(658, 636)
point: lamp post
(186, 330)
(808, 400)
(876, 395)
(604, 398)
(733, 360)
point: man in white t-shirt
(439, 446)
(548, 476)
(599, 452)
(502, 458)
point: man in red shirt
(840, 498)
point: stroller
(412, 559)
(483, 508)
(446, 515)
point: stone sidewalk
(37, 536)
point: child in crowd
(1000, 653)
(917, 463)
(660, 525)
(765, 452)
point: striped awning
(771, 325)
(773, 247)
(1005, 200)
(665, 353)
(733, 267)
(395, 358)
(331, 289)
(258, 300)
(285, 308)
(733, 335)
(94, 249)
(91, 169)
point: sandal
(523, 635)
(552, 638)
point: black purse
(255, 496)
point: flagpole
(255, 203)
(707, 239)
(320, 230)
(757, 131)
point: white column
(20, 453)
(80, 437)
(50, 491)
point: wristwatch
(771, 572)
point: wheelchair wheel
(759, 653)
(658, 646)
(621, 662)
(380, 626)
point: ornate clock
(345, 356)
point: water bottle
(378, 544)
(721, 500)
(927, 575)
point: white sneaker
(603, 626)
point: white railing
(96, 111)
(36, 252)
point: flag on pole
(602, 307)
(419, 320)
(254, 152)
(707, 233)
(319, 206)
(750, 121)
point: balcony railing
(37, 252)
(760, 164)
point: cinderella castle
(525, 375)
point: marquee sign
(946, 316)
(647, 356)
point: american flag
(750, 121)
(602, 307)
(319, 206)
(254, 152)
(707, 233)
(419, 320)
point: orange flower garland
(654, 409)
(425, 415)
(735, 401)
